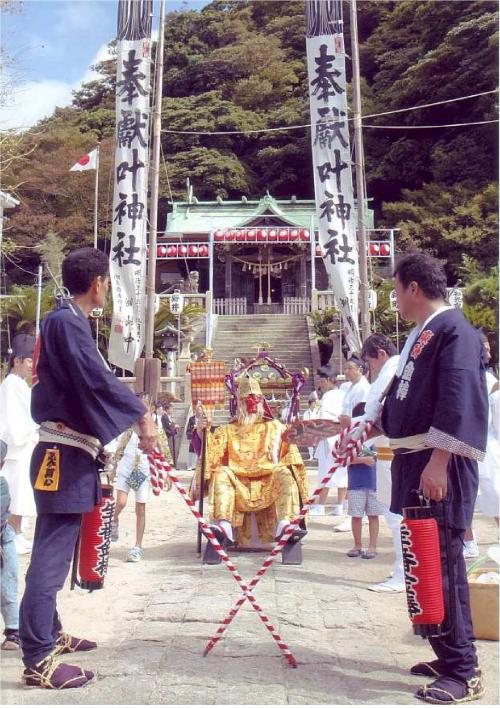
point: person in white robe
(489, 468)
(310, 414)
(19, 432)
(382, 359)
(330, 409)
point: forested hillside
(241, 66)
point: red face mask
(252, 403)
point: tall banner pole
(96, 196)
(129, 229)
(38, 299)
(331, 156)
(155, 169)
(360, 176)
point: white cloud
(33, 100)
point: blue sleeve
(460, 417)
(107, 405)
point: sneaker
(11, 641)
(114, 531)
(22, 548)
(135, 554)
(317, 510)
(66, 644)
(471, 549)
(344, 526)
(387, 586)
(49, 674)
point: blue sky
(54, 43)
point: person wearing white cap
(19, 431)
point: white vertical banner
(332, 158)
(128, 253)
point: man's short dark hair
(424, 270)
(375, 342)
(81, 267)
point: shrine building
(252, 257)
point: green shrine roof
(204, 217)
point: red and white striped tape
(157, 465)
(207, 531)
(347, 449)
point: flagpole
(155, 165)
(360, 169)
(96, 195)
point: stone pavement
(153, 619)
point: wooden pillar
(303, 276)
(228, 273)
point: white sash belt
(50, 432)
(412, 443)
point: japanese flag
(87, 162)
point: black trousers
(53, 547)
(457, 654)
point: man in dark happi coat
(435, 416)
(80, 406)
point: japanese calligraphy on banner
(128, 253)
(332, 158)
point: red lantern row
(181, 250)
(376, 249)
(379, 249)
(267, 234)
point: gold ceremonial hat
(248, 385)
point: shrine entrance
(264, 276)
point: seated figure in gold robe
(256, 480)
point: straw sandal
(66, 644)
(427, 668)
(446, 690)
(49, 674)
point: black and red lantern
(95, 541)
(422, 566)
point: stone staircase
(286, 335)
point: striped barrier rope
(156, 468)
(207, 531)
(347, 449)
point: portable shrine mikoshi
(347, 450)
